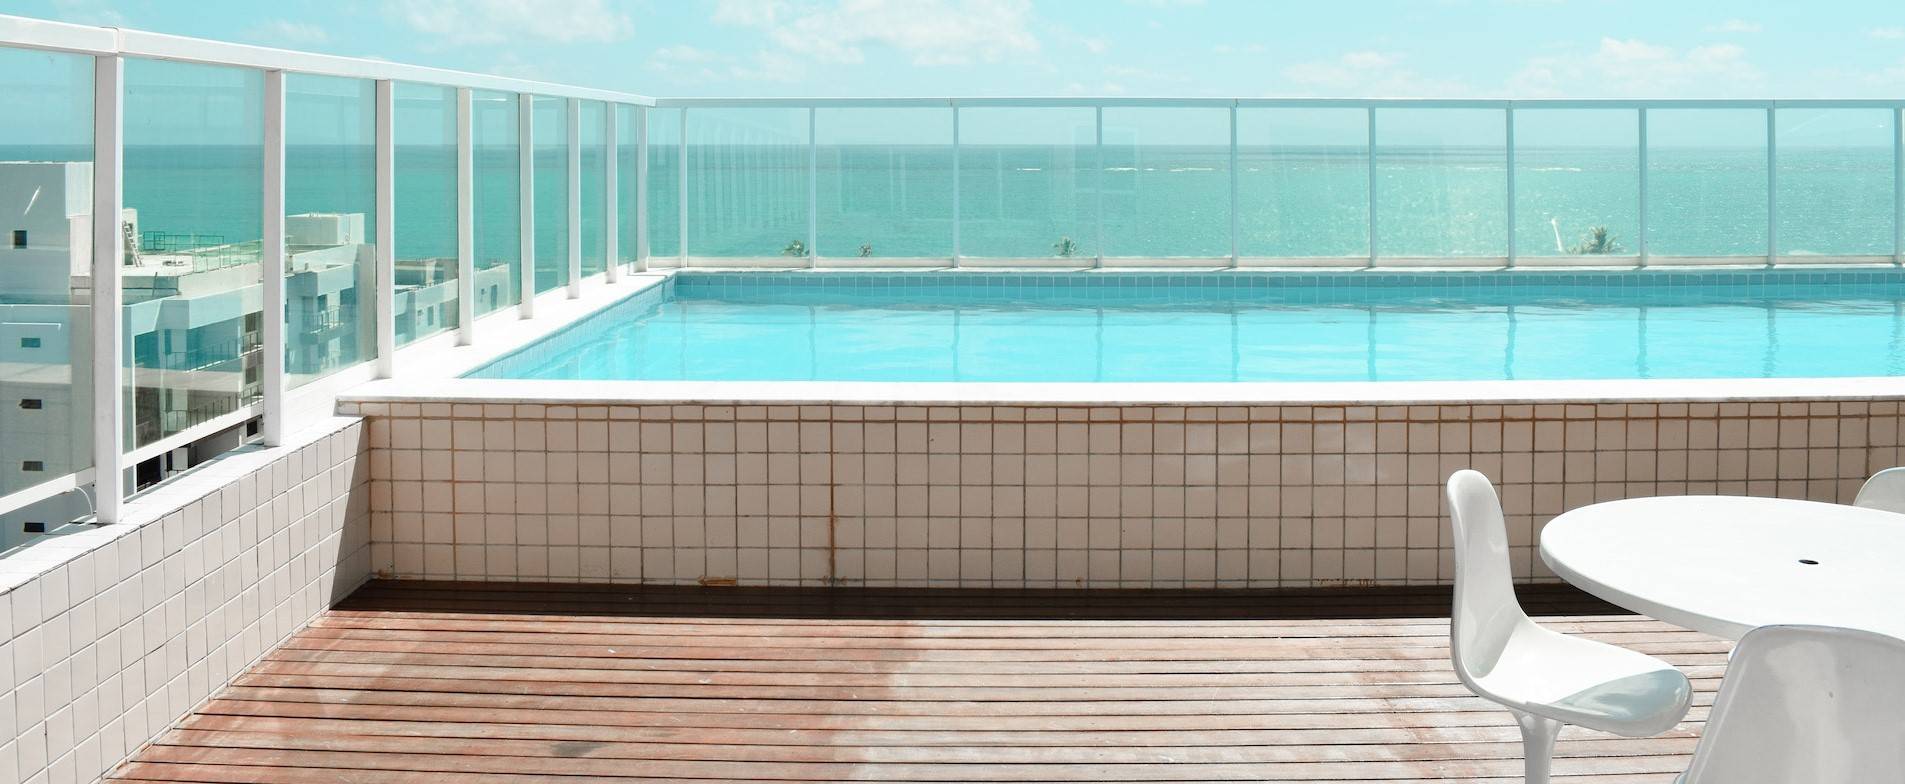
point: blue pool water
(1236, 326)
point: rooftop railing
(500, 191)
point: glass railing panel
(425, 139)
(1028, 181)
(497, 199)
(747, 183)
(194, 191)
(885, 182)
(1834, 182)
(1166, 182)
(1577, 183)
(1302, 183)
(330, 201)
(46, 170)
(627, 155)
(664, 183)
(1441, 182)
(552, 192)
(594, 179)
(1706, 182)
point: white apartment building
(192, 318)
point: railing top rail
(1060, 102)
(26, 33)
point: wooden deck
(450, 683)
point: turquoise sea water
(1236, 326)
(1019, 201)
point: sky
(1248, 48)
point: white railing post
(574, 109)
(611, 200)
(526, 201)
(1098, 188)
(1640, 233)
(1235, 259)
(641, 189)
(1509, 148)
(108, 319)
(1371, 122)
(272, 261)
(955, 185)
(386, 178)
(465, 220)
(813, 188)
(1772, 189)
(681, 187)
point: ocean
(1027, 201)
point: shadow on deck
(449, 683)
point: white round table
(1725, 564)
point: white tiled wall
(1044, 495)
(114, 632)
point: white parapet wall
(110, 633)
(997, 494)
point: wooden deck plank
(457, 683)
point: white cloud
(683, 55)
(1096, 45)
(932, 32)
(1887, 33)
(92, 12)
(690, 64)
(478, 22)
(749, 13)
(1367, 73)
(1626, 68)
(512, 65)
(1879, 82)
(1735, 26)
(285, 31)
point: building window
(31, 403)
(29, 342)
(19, 238)
(32, 465)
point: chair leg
(1537, 744)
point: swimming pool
(1235, 326)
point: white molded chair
(1885, 490)
(1545, 678)
(1807, 703)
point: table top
(1726, 564)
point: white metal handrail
(110, 48)
(25, 33)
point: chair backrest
(1486, 612)
(1885, 490)
(1807, 703)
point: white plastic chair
(1807, 703)
(1545, 678)
(1884, 491)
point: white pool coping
(1364, 393)
(436, 376)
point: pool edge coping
(955, 393)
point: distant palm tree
(1065, 247)
(795, 248)
(866, 251)
(1597, 242)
